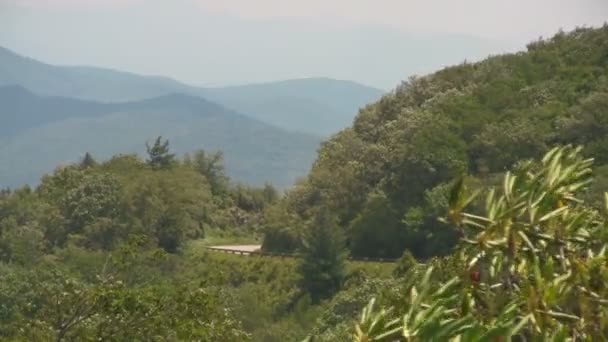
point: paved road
(241, 249)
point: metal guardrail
(290, 255)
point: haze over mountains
(268, 132)
(319, 106)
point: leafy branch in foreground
(534, 265)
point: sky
(227, 42)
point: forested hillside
(86, 255)
(500, 235)
(386, 179)
(39, 133)
(530, 265)
(114, 250)
(486, 182)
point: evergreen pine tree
(322, 268)
(87, 161)
(159, 156)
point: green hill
(499, 235)
(388, 175)
(38, 133)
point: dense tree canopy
(530, 266)
(496, 232)
(386, 177)
(83, 256)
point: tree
(211, 165)
(478, 118)
(282, 229)
(322, 268)
(96, 196)
(48, 304)
(5, 192)
(87, 161)
(172, 207)
(530, 267)
(378, 231)
(159, 156)
(79, 198)
(271, 195)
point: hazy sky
(217, 42)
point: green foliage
(262, 292)
(101, 205)
(106, 250)
(322, 269)
(377, 232)
(159, 156)
(88, 161)
(23, 245)
(531, 265)
(335, 323)
(405, 265)
(38, 132)
(102, 251)
(212, 167)
(96, 196)
(282, 230)
(475, 118)
(171, 207)
(50, 304)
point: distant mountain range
(39, 133)
(319, 106)
(268, 132)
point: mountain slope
(51, 131)
(20, 112)
(318, 106)
(388, 178)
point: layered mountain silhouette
(37, 133)
(319, 106)
(268, 132)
